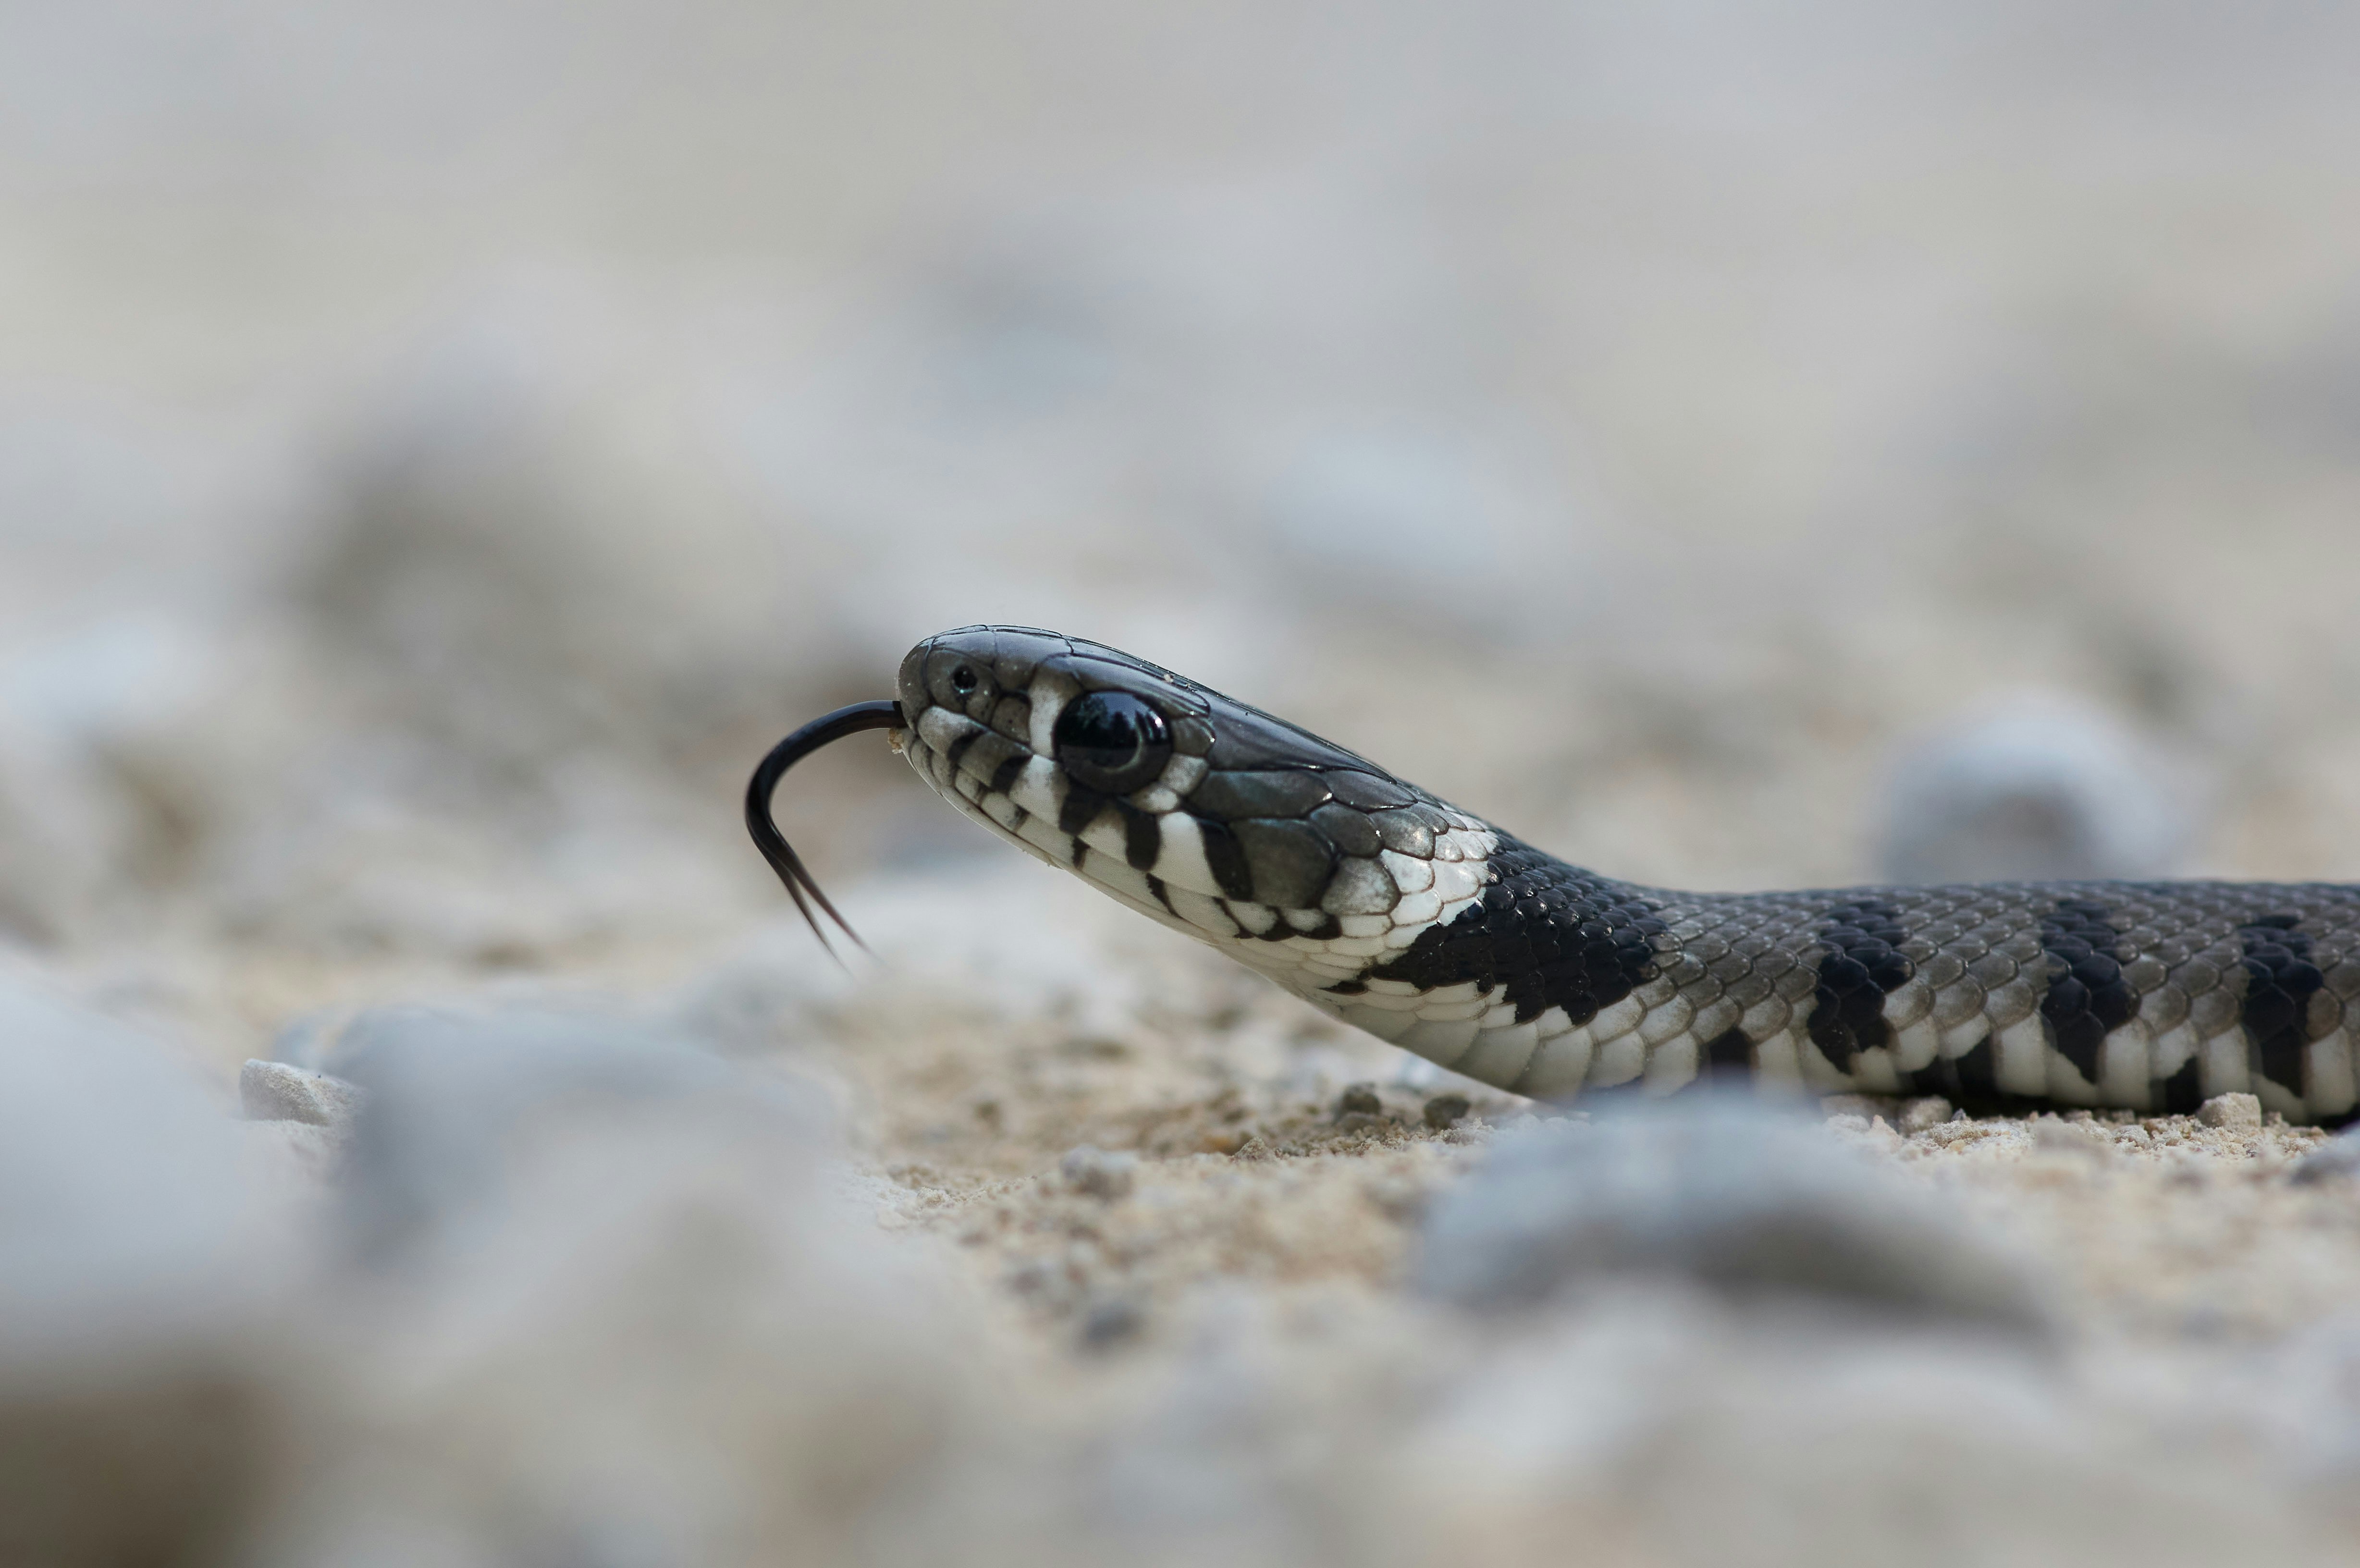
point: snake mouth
(825, 730)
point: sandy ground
(441, 448)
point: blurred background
(442, 445)
(439, 446)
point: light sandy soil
(440, 447)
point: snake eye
(964, 679)
(1112, 742)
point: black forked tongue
(820, 731)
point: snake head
(1209, 815)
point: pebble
(1091, 1169)
(1360, 1099)
(2054, 1136)
(1110, 1320)
(2047, 785)
(2242, 1112)
(2339, 1155)
(1917, 1115)
(451, 1094)
(604, 1282)
(274, 1092)
(1740, 1198)
(1446, 1111)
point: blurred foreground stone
(578, 1290)
(606, 1310)
(1658, 1426)
(142, 1265)
(272, 1090)
(1721, 1192)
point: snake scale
(1422, 924)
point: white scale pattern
(1376, 913)
(1654, 1036)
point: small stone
(1397, 1199)
(1110, 1320)
(1255, 1148)
(1731, 1196)
(1446, 1111)
(1919, 1115)
(138, 1298)
(1360, 1099)
(2240, 1112)
(2052, 1137)
(2050, 786)
(1091, 1169)
(274, 1092)
(2339, 1155)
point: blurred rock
(272, 1090)
(611, 1313)
(2339, 1156)
(108, 775)
(447, 1093)
(1446, 1111)
(1742, 1199)
(2051, 1136)
(140, 1270)
(2049, 786)
(1110, 1320)
(1099, 1173)
(1668, 1431)
(1930, 1111)
(484, 574)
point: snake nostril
(964, 679)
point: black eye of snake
(963, 680)
(1112, 742)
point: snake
(1397, 912)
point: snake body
(1429, 927)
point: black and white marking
(1420, 922)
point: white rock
(608, 1295)
(274, 1092)
(2339, 1155)
(140, 1268)
(2053, 1137)
(1094, 1171)
(2241, 1111)
(1740, 1198)
(2043, 784)
(1704, 1437)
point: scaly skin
(1429, 927)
